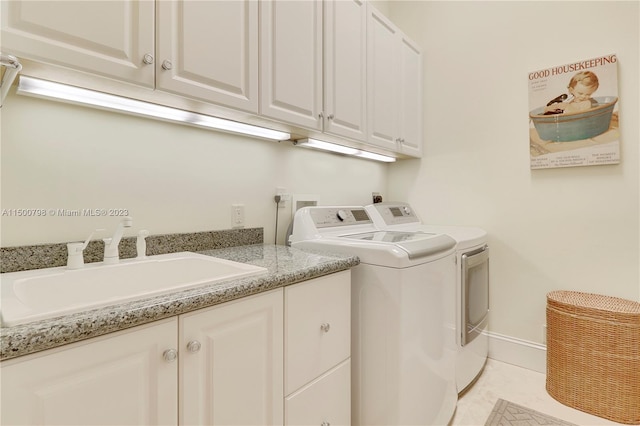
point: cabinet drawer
(317, 327)
(324, 401)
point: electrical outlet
(237, 215)
(284, 196)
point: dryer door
(475, 292)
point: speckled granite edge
(284, 266)
(24, 258)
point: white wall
(172, 178)
(572, 228)
(568, 228)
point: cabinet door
(382, 80)
(317, 327)
(291, 61)
(325, 401)
(345, 48)
(235, 376)
(208, 50)
(109, 38)
(118, 379)
(411, 98)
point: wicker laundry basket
(593, 354)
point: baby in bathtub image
(581, 86)
(573, 114)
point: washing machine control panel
(393, 213)
(337, 216)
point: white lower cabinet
(118, 379)
(231, 363)
(318, 351)
(323, 402)
(224, 365)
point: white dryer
(403, 346)
(472, 283)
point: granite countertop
(285, 266)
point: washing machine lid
(414, 244)
(400, 216)
(350, 230)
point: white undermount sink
(46, 293)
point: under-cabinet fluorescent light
(46, 89)
(327, 146)
(374, 156)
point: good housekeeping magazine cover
(573, 114)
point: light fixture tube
(340, 149)
(326, 146)
(46, 89)
(374, 156)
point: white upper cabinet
(394, 82)
(345, 61)
(333, 66)
(313, 64)
(109, 38)
(208, 50)
(410, 98)
(382, 80)
(291, 61)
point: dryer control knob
(406, 210)
(342, 215)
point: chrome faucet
(111, 254)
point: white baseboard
(518, 352)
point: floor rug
(507, 413)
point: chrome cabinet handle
(321, 115)
(194, 346)
(331, 117)
(325, 327)
(167, 65)
(170, 355)
(325, 424)
(148, 59)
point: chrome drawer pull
(194, 346)
(325, 327)
(167, 65)
(170, 355)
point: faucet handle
(75, 258)
(141, 244)
(109, 252)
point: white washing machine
(472, 284)
(402, 346)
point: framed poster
(573, 114)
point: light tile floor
(519, 385)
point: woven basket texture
(593, 354)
